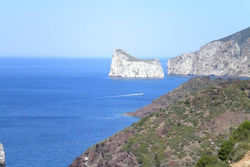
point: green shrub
(241, 134)
(157, 161)
(210, 161)
(142, 121)
(238, 155)
(204, 161)
(226, 149)
(243, 86)
(239, 151)
(219, 164)
(187, 102)
(195, 122)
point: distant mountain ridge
(229, 56)
(241, 37)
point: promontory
(193, 127)
(229, 56)
(126, 66)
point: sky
(94, 28)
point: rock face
(2, 156)
(126, 66)
(229, 56)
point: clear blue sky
(94, 28)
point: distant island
(126, 66)
(229, 56)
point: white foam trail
(133, 94)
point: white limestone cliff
(229, 56)
(2, 155)
(126, 66)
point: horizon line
(87, 57)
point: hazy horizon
(146, 29)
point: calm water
(52, 110)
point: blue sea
(53, 109)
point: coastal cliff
(179, 134)
(229, 56)
(126, 66)
(2, 156)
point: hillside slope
(174, 96)
(179, 134)
(235, 150)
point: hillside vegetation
(194, 84)
(231, 150)
(181, 133)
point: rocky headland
(2, 156)
(179, 133)
(126, 66)
(175, 95)
(229, 56)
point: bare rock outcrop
(2, 156)
(229, 56)
(126, 66)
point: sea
(53, 109)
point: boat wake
(127, 95)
